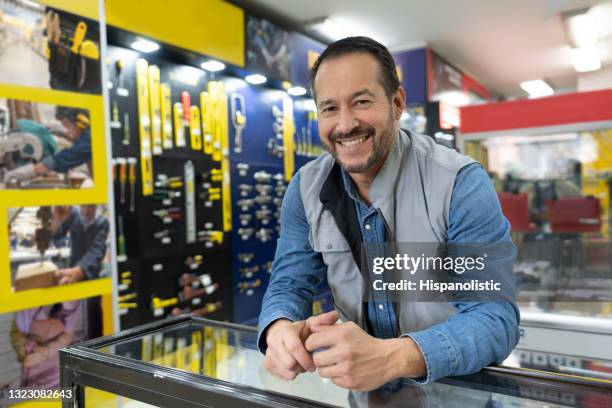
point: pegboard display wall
(162, 269)
(223, 270)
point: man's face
(357, 121)
(72, 130)
(88, 212)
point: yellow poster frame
(12, 301)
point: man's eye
(329, 109)
(362, 102)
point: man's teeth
(349, 143)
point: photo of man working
(88, 230)
(77, 131)
(69, 246)
(379, 183)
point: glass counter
(194, 362)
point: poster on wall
(304, 51)
(58, 245)
(55, 262)
(43, 145)
(445, 78)
(268, 50)
(48, 48)
(30, 341)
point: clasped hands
(342, 352)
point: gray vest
(413, 191)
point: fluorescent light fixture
(581, 30)
(143, 45)
(586, 59)
(33, 4)
(454, 98)
(307, 104)
(537, 88)
(330, 28)
(213, 65)
(255, 79)
(296, 91)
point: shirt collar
(386, 175)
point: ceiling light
(581, 29)
(145, 45)
(255, 79)
(213, 65)
(33, 4)
(586, 59)
(537, 88)
(455, 98)
(296, 91)
(330, 28)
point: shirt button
(329, 246)
(381, 307)
(367, 226)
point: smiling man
(378, 184)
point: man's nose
(346, 121)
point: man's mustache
(361, 130)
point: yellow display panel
(87, 9)
(28, 299)
(108, 326)
(14, 198)
(209, 27)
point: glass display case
(554, 187)
(194, 362)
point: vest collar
(336, 200)
(382, 190)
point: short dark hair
(79, 117)
(65, 112)
(350, 45)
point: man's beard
(378, 150)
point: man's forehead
(347, 75)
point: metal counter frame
(83, 366)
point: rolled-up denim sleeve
(297, 269)
(480, 333)
(71, 157)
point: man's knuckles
(294, 346)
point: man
(378, 183)
(88, 235)
(76, 123)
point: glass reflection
(231, 355)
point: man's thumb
(324, 319)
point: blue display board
(413, 64)
(304, 50)
(257, 171)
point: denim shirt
(87, 245)
(479, 334)
(71, 157)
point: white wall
(594, 81)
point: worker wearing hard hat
(88, 229)
(76, 123)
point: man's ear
(399, 103)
